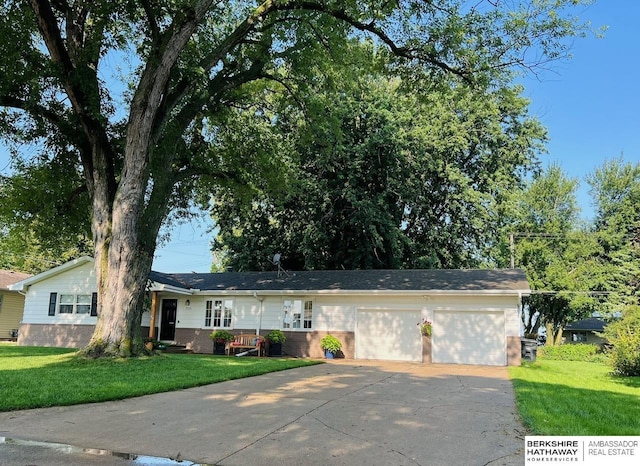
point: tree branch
(94, 131)
(403, 52)
(151, 18)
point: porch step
(177, 349)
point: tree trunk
(122, 269)
(554, 335)
(124, 244)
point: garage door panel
(388, 335)
(469, 338)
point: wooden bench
(246, 342)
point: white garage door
(388, 335)
(469, 338)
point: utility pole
(512, 248)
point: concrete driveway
(344, 412)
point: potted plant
(220, 339)
(275, 338)
(331, 345)
(425, 328)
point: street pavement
(345, 412)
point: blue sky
(589, 105)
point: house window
(308, 314)
(79, 304)
(297, 314)
(220, 311)
(1, 298)
(83, 304)
(579, 337)
(207, 313)
(66, 303)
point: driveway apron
(344, 412)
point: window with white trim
(83, 304)
(208, 310)
(66, 303)
(297, 314)
(218, 313)
(75, 304)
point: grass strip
(576, 398)
(34, 377)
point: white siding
(79, 280)
(338, 312)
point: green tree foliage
(624, 335)
(615, 188)
(576, 270)
(382, 177)
(139, 94)
(542, 218)
(44, 215)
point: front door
(168, 322)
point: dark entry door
(168, 323)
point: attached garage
(388, 335)
(469, 337)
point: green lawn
(33, 377)
(576, 398)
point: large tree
(576, 269)
(141, 143)
(615, 189)
(382, 177)
(541, 223)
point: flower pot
(218, 347)
(328, 354)
(275, 349)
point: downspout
(520, 313)
(260, 299)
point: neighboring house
(584, 331)
(374, 313)
(11, 304)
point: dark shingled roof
(592, 324)
(351, 280)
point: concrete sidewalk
(343, 412)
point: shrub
(572, 352)
(276, 336)
(330, 343)
(624, 335)
(221, 336)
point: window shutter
(53, 297)
(94, 304)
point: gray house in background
(584, 331)
(374, 313)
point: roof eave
(522, 292)
(23, 284)
(160, 287)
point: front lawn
(576, 398)
(32, 377)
